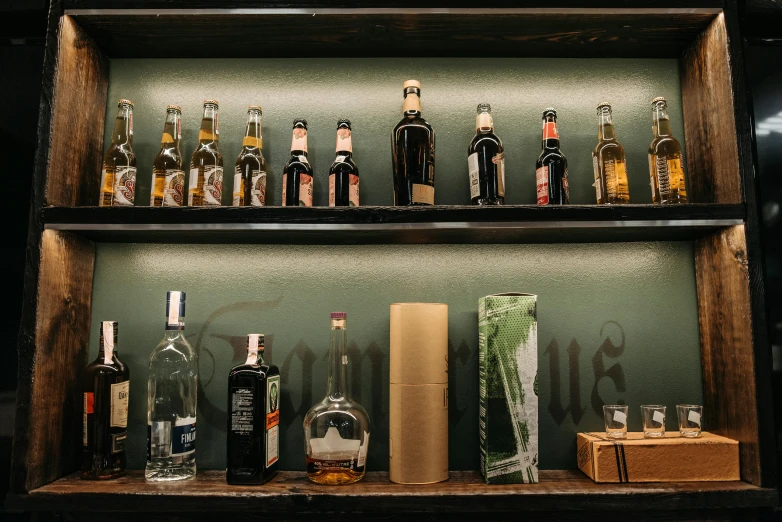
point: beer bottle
(168, 178)
(343, 174)
(250, 172)
(665, 159)
(551, 167)
(206, 165)
(412, 152)
(608, 161)
(118, 176)
(297, 175)
(486, 161)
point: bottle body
(343, 174)
(172, 401)
(205, 187)
(250, 171)
(551, 168)
(609, 163)
(412, 153)
(297, 179)
(118, 175)
(666, 172)
(168, 178)
(254, 418)
(486, 162)
(336, 429)
(106, 391)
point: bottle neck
(175, 324)
(123, 127)
(209, 133)
(550, 132)
(172, 131)
(484, 124)
(337, 383)
(299, 141)
(412, 104)
(605, 130)
(344, 141)
(661, 123)
(252, 133)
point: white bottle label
(499, 159)
(258, 188)
(475, 175)
(124, 186)
(362, 452)
(173, 192)
(272, 420)
(213, 185)
(120, 393)
(596, 184)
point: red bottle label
(550, 131)
(541, 178)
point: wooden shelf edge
(291, 491)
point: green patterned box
(508, 387)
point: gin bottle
(336, 430)
(171, 400)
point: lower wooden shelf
(291, 492)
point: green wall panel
(617, 322)
(369, 92)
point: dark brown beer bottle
(412, 144)
(343, 174)
(551, 167)
(297, 175)
(486, 161)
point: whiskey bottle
(205, 187)
(250, 171)
(666, 172)
(336, 430)
(171, 400)
(168, 178)
(105, 415)
(297, 175)
(486, 161)
(551, 167)
(254, 418)
(343, 175)
(608, 161)
(412, 152)
(118, 177)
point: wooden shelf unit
(53, 344)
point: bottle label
(305, 190)
(238, 188)
(344, 140)
(252, 141)
(412, 103)
(130, 123)
(124, 186)
(423, 194)
(257, 188)
(242, 410)
(475, 175)
(174, 192)
(183, 437)
(213, 185)
(596, 184)
(284, 188)
(566, 187)
(179, 128)
(120, 393)
(299, 141)
(541, 180)
(88, 409)
(499, 160)
(550, 131)
(663, 176)
(272, 420)
(118, 442)
(362, 452)
(332, 195)
(106, 182)
(353, 190)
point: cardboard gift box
(672, 458)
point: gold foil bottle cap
(255, 108)
(412, 83)
(211, 102)
(124, 102)
(658, 99)
(174, 107)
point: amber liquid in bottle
(118, 176)
(610, 166)
(666, 172)
(205, 186)
(250, 170)
(168, 178)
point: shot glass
(615, 416)
(690, 418)
(653, 418)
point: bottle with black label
(105, 414)
(297, 174)
(254, 418)
(486, 161)
(412, 152)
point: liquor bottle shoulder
(173, 350)
(100, 367)
(486, 141)
(608, 147)
(665, 145)
(415, 121)
(297, 165)
(208, 152)
(551, 156)
(120, 153)
(168, 157)
(343, 164)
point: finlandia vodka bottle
(171, 400)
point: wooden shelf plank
(361, 225)
(292, 492)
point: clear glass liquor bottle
(608, 160)
(666, 172)
(412, 152)
(297, 177)
(486, 161)
(250, 172)
(336, 430)
(205, 187)
(171, 400)
(105, 414)
(168, 178)
(343, 174)
(118, 176)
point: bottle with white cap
(412, 144)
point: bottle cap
(211, 102)
(172, 296)
(339, 315)
(484, 107)
(124, 102)
(603, 105)
(111, 329)
(343, 121)
(658, 99)
(549, 110)
(174, 107)
(253, 338)
(412, 83)
(255, 108)
(301, 121)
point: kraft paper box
(508, 369)
(672, 458)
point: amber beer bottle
(551, 167)
(486, 161)
(205, 187)
(608, 161)
(666, 172)
(168, 178)
(297, 175)
(250, 171)
(412, 152)
(118, 177)
(343, 174)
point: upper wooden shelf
(291, 492)
(438, 224)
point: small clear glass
(653, 418)
(690, 420)
(615, 416)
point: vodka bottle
(171, 400)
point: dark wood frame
(53, 342)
